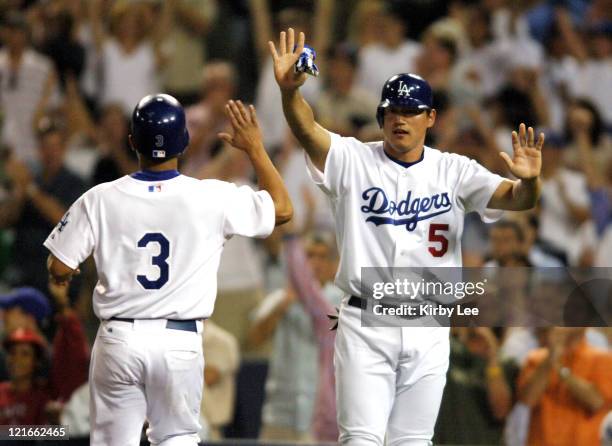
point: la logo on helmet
(403, 89)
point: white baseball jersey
(157, 239)
(399, 215)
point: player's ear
(431, 118)
(131, 141)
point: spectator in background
(185, 46)
(598, 173)
(479, 72)
(437, 59)
(392, 53)
(556, 73)
(129, 51)
(37, 204)
(286, 315)
(27, 87)
(27, 308)
(506, 238)
(320, 304)
(343, 107)
(594, 55)
(564, 205)
(207, 118)
(24, 307)
(507, 108)
(509, 238)
(584, 126)
(116, 157)
(567, 385)
(24, 398)
(537, 256)
(60, 41)
(62, 29)
(363, 22)
(524, 76)
(70, 360)
(221, 362)
(479, 389)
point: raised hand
(247, 134)
(526, 163)
(285, 59)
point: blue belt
(173, 324)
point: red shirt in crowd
(70, 362)
(22, 408)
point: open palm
(285, 59)
(246, 132)
(527, 157)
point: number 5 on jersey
(158, 260)
(435, 236)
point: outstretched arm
(247, 137)
(314, 138)
(526, 165)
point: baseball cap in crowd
(30, 300)
(28, 336)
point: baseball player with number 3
(397, 203)
(156, 237)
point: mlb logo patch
(159, 154)
(155, 188)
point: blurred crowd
(71, 72)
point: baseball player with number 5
(156, 237)
(397, 203)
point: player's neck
(171, 164)
(411, 156)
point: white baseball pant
(143, 370)
(389, 381)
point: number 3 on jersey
(434, 236)
(158, 260)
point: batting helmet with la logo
(407, 91)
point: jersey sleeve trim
(490, 215)
(269, 210)
(61, 257)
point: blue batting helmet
(404, 90)
(158, 127)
